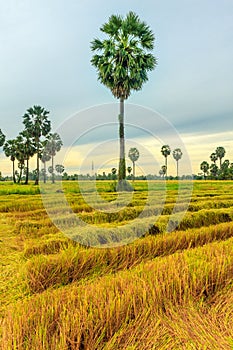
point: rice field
(163, 290)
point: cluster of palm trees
(213, 171)
(177, 155)
(35, 140)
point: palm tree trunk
(37, 166)
(52, 171)
(122, 168)
(27, 171)
(177, 170)
(44, 172)
(166, 166)
(133, 171)
(13, 170)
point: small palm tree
(114, 171)
(220, 152)
(37, 124)
(53, 145)
(162, 171)
(205, 168)
(10, 149)
(122, 61)
(177, 155)
(133, 156)
(214, 170)
(166, 151)
(213, 157)
(2, 138)
(45, 157)
(129, 169)
(59, 168)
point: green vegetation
(163, 291)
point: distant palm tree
(205, 168)
(129, 169)
(214, 170)
(220, 152)
(114, 171)
(133, 156)
(53, 145)
(10, 149)
(37, 124)
(59, 168)
(166, 151)
(214, 157)
(45, 157)
(177, 155)
(28, 148)
(122, 61)
(2, 138)
(162, 171)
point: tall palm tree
(122, 61)
(2, 138)
(166, 151)
(177, 155)
(213, 157)
(37, 124)
(10, 149)
(220, 152)
(53, 145)
(133, 156)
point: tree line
(221, 171)
(36, 139)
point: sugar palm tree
(213, 157)
(220, 152)
(10, 149)
(37, 125)
(28, 148)
(122, 62)
(53, 145)
(133, 156)
(177, 155)
(205, 168)
(166, 151)
(45, 157)
(2, 138)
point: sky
(45, 60)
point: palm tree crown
(2, 138)
(124, 59)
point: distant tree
(10, 149)
(133, 156)
(45, 157)
(220, 152)
(28, 149)
(177, 155)
(53, 145)
(162, 171)
(214, 170)
(205, 168)
(129, 169)
(59, 168)
(225, 170)
(214, 157)
(37, 125)
(114, 171)
(2, 138)
(122, 61)
(166, 151)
